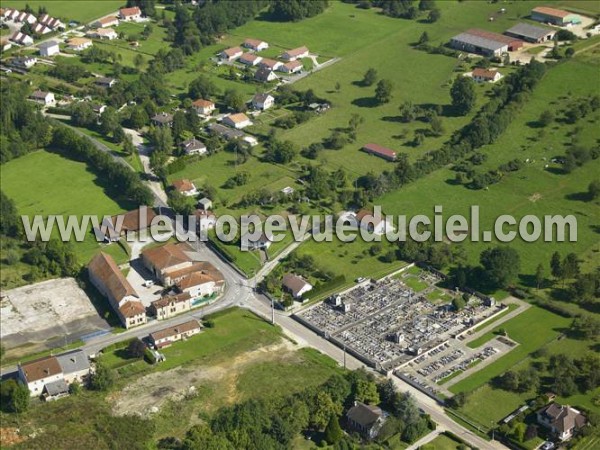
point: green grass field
(36, 183)
(442, 442)
(79, 10)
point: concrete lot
(47, 310)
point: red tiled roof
(296, 51)
(130, 11)
(175, 330)
(232, 51)
(379, 150)
(132, 309)
(484, 73)
(201, 103)
(105, 269)
(183, 185)
(166, 256)
(41, 368)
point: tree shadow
(365, 102)
(395, 119)
(579, 196)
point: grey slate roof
(45, 45)
(73, 361)
(57, 387)
(530, 31)
(226, 132)
(479, 41)
(364, 415)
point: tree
(437, 128)
(103, 378)
(539, 275)
(333, 431)
(408, 112)
(383, 91)
(594, 189)
(234, 100)
(14, 396)
(370, 77)
(128, 147)
(570, 52)
(202, 87)
(109, 121)
(458, 303)
(570, 266)
(556, 265)
(161, 139)
(138, 61)
(502, 265)
(463, 94)
(425, 5)
(546, 118)
(366, 391)
(322, 408)
(338, 86)
(424, 39)
(83, 115)
(136, 349)
(434, 15)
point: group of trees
(274, 422)
(295, 10)
(405, 9)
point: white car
(548, 445)
(148, 283)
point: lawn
(78, 10)
(442, 442)
(414, 283)
(36, 183)
(532, 329)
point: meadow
(81, 11)
(45, 183)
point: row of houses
(45, 20)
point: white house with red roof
(133, 14)
(105, 22)
(291, 67)
(481, 75)
(231, 54)
(250, 59)
(203, 107)
(296, 53)
(256, 44)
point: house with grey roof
(365, 419)
(55, 390)
(75, 366)
(562, 420)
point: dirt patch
(149, 393)
(535, 197)
(10, 436)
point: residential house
(51, 22)
(106, 276)
(75, 366)
(21, 39)
(554, 16)
(562, 420)
(98, 108)
(39, 372)
(163, 338)
(250, 59)
(105, 82)
(237, 121)
(476, 44)
(295, 285)
(79, 44)
(162, 119)
(250, 243)
(255, 44)
(11, 14)
(205, 203)
(365, 419)
(265, 75)
(292, 67)
(133, 14)
(105, 22)
(367, 221)
(193, 146)
(297, 53)
(263, 101)
(225, 132)
(171, 305)
(39, 28)
(25, 17)
(133, 221)
(378, 150)
(49, 48)
(270, 64)
(26, 62)
(231, 54)
(43, 98)
(481, 75)
(203, 107)
(185, 187)
(103, 33)
(201, 279)
(531, 33)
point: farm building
(477, 44)
(255, 44)
(106, 276)
(378, 150)
(485, 75)
(530, 33)
(554, 16)
(513, 43)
